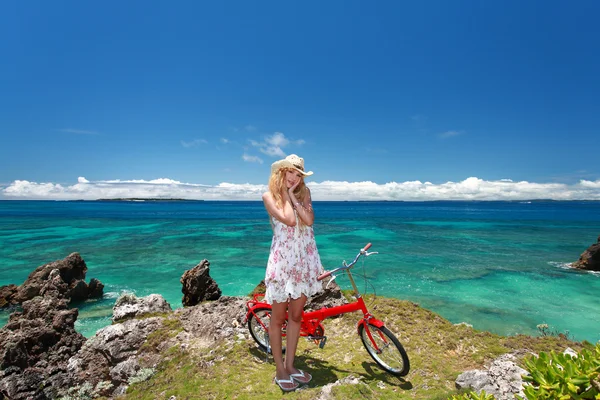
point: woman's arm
(304, 210)
(284, 214)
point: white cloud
(250, 128)
(193, 143)
(249, 158)
(590, 184)
(273, 145)
(468, 189)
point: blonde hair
(277, 184)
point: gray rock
(502, 379)
(214, 321)
(326, 391)
(124, 370)
(35, 346)
(331, 296)
(112, 354)
(129, 306)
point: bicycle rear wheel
(385, 349)
(260, 334)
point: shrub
(561, 376)
(143, 375)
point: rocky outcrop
(214, 321)
(8, 295)
(503, 379)
(331, 296)
(129, 306)
(71, 269)
(36, 344)
(198, 286)
(589, 259)
(109, 360)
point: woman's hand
(284, 214)
(293, 188)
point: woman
(293, 265)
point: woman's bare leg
(277, 320)
(295, 310)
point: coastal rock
(214, 321)
(36, 345)
(198, 286)
(54, 286)
(71, 269)
(7, 295)
(259, 289)
(119, 352)
(95, 289)
(331, 296)
(129, 306)
(109, 359)
(502, 379)
(589, 259)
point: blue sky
(395, 100)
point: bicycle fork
(368, 321)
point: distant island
(142, 199)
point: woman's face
(292, 177)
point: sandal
(305, 377)
(279, 383)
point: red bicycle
(381, 344)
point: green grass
(438, 350)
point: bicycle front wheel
(385, 349)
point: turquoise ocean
(499, 266)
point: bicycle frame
(312, 320)
(381, 344)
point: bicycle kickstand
(268, 348)
(322, 342)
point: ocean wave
(569, 266)
(116, 295)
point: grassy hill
(236, 369)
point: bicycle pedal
(321, 339)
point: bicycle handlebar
(324, 275)
(362, 252)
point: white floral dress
(294, 263)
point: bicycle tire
(258, 333)
(391, 355)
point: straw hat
(293, 162)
